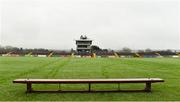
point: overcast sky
(55, 24)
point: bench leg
(29, 87)
(148, 87)
(118, 86)
(59, 87)
(89, 87)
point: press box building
(83, 45)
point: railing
(83, 43)
(83, 48)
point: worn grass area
(32, 67)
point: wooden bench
(147, 81)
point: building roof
(83, 38)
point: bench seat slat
(127, 80)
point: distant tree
(126, 49)
(95, 48)
(148, 50)
(8, 47)
(21, 49)
(140, 51)
(1, 49)
(72, 50)
(169, 51)
(110, 50)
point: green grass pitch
(33, 67)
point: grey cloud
(137, 24)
